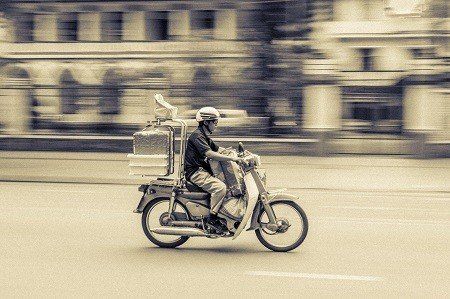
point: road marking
(402, 209)
(388, 221)
(102, 192)
(314, 276)
(76, 191)
(62, 210)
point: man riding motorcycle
(201, 147)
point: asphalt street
(82, 240)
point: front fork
(272, 225)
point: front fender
(282, 196)
(273, 197)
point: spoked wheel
(292, 227)
(155, 215)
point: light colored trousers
(212, 185)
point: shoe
(217, 223)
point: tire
(260, 232)
(151, 236)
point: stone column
(134, 26)
(89, 26)
(226, 24)
(322, 105)
(46, 27)
(322, 102)
(424, 105)
(179, 24)
(6, 31)
(15, 101)
(321, 97)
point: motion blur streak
(339, 71)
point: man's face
(212, 125)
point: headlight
(257, 160)
(254, 159)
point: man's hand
(240, 161)
(210, 154)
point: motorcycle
(173, 210)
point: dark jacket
(198, 144)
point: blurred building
(337, 68)
(391, 59)
(100, 62)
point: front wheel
(292, 226)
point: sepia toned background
(356, 76)
(346, 101)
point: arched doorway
(109, 102)
(69, 93)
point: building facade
(392, 62)
(333, 67)
(100, 62)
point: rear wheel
(292, 227)
(155, 215)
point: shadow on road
(211, 250)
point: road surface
(82, 240)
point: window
(202, 23)
(112, 26)
(157, 26)
(24, 27)
(367, 59)
(418, 53)
(203, 19)
(372, 109)
(68, 27)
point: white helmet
(207, 113)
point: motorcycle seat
(199, 196)
(194, 192)
(193, 187)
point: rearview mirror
(241, 148)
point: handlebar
(251, 160)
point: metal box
(153, 152)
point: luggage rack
(165, 115)
(184, 127)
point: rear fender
(274, 197)
(150, 192)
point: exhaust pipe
(195, 224)
(179, 231)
